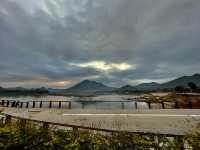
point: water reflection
(96, 102)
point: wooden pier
(69, 104)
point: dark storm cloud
(40, 39)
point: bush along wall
(15, 136)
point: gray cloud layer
(40, 38)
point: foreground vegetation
(14, 136)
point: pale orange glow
(104, 66)
(60, 83)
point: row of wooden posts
(12, 103)
(19, 104)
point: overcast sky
(57, 43)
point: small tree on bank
(192, 86)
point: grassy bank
(16, 136)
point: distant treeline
(22, 91)
(192, 87)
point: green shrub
(193, 140)
(16, 136)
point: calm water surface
(78, 102)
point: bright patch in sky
(116, 42)
(104, 66)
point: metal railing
(47, 124)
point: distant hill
(88, 87)
(15, 89)
(182, 81)
(126, 88)
(141, 87)
(153, 86)
(147, 86)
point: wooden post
(69, 105)
(21, 106)
(176, 105)
(2, 102)
(136, 106)
(163, 105)
(8, 120)
(59, 104)
(13, 104)
(8, 102)
(40, 104)
(75, 129)
(45, 126)
(22, 124)
(33, 104)
(17, 104)
(2, 120)
(122, 105)
(27, 103)
(50, 104)
(190, 104)
(149, 103)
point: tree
(179, 89)
(192, 86)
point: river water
(96, 102)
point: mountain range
(182, 81)
(153, 86)
(88, 87)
